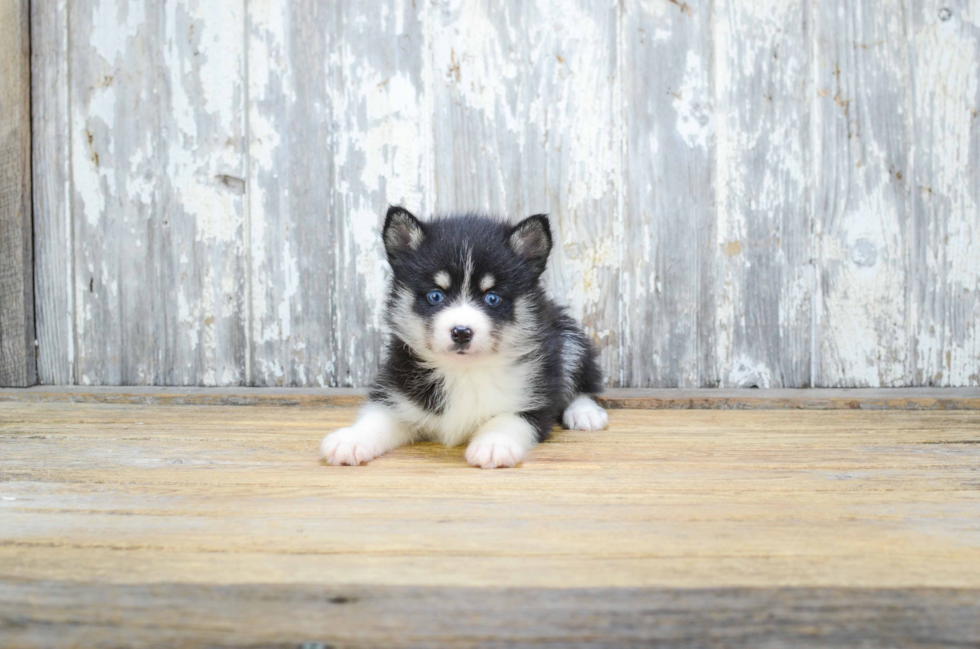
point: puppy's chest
(472, 397)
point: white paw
(350, 446)
(495, 450)
(585, 414)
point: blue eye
(492, 299)
(435, 297)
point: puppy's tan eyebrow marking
(487, 282)
(443, 280)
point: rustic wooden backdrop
(745, 193)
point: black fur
(516, 255)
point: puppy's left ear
(531, 240)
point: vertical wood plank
(945, 245)
(761, 280)
(51, 156)
(18, 365)
(339, 129)
(528, 118)
(669, 176)
(862, 115)
(292, 50)
(383, 156)
(157, 128)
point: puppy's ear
(531, 239)
(402, 233)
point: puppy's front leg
(374, 433)
(501, 442)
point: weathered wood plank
(54, 247)
(158, 171)
(292, 340)
(945, 263)
(794, 399)
(618, 398)
(761, 278)
(383, 156)
(58, 613)
(670, 202)
(18, 363)
(210, 495)
(338, 131)
(527, 100)
(862, 167)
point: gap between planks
(621, 398)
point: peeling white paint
(947, 101)
(457, 105)
(865, 306)
(692, 103)
(728, 193)
(392, 144)
(220, 53)
(216, 212)
(120, 22)
(291, 285)
(746, 372)
(188, 320)
(371, 267)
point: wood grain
(841, 528)
(158, 169)
(862, 161)
(338, 123)
(945, 263)
(18, 364)
(54, 245)
(45, 613)
(761, 279)
(669, 163)
(292, 340)
(138, 494)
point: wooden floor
(162, 525)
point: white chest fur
(473, 394)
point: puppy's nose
(461, 335)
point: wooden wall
(746, 193)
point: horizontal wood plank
(681, 498)
(619, 398)
(39, 614)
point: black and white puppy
(478, 353)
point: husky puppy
(478, 353)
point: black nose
(462, 335)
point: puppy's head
(463, 284)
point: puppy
(478, 353)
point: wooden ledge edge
(642, 399)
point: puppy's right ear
(403, 233)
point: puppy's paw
(494, 451)
(350, 446)
(585, 414)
